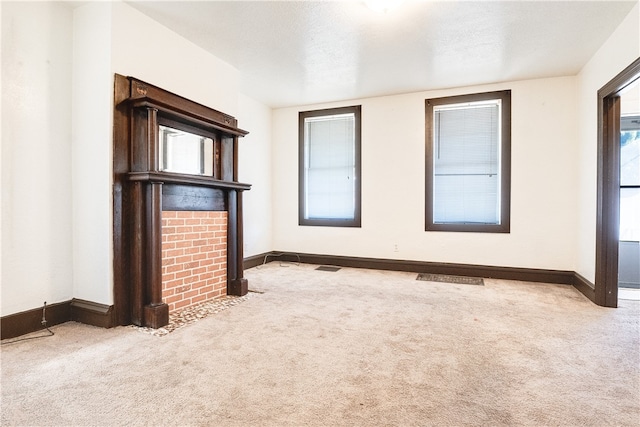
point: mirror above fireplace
(185, 152)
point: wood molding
(88, 312)
(255, 260)
(26, 322)
(608, 186)
(585, 287)
(504, 226)
(507, 273)
(560, 277)
(92, 313)
(356, 221)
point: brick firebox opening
(194, 257)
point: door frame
(608, 186)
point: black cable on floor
(43, 322)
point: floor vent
(443, 278)
(328, 268)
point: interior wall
(543, 200)
(255, 169)
(92, 106)
(145, 49)
(36, 155)
(618, 52)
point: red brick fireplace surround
(194, 257)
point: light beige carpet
(348, 348)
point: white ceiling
(304, 52)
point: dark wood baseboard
(92, 313)
(255, 260)
(26, 322)
(507, 273)
(469, 270)
(585, 287)
(29, 321)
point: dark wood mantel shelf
(178, 178)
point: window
(329, 167)
(468, 150)
(630, 178)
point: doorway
(609, 185)
(629, 248)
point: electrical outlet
(395, 248)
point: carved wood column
(156, 312)
(136, 242)
(236, 283)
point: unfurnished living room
(320, 213)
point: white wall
(92, 106)
(543, 201)
(255, 169)
(36, 157)
(620, 50)
(144, 49)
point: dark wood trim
(584, 286)
(237, 284)
(177, 197)
(507, 273)
(168, 111)
(142, 92)
(88, 312)
(255, 260)
(505, 170)
(178, 178)
(608, 186)
(324, 222)
(135, 276)
(92, 313)
(156, 312)
(608, 203)
(25, 322)
(122, 204)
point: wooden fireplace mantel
(142, 190)
(174, 178)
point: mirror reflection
(184, 152)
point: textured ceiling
(303, 52)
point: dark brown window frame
(505, 170)
(356, 221)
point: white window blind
(329, 167)
(466, 166)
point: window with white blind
(468, 146)
(329, 167)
